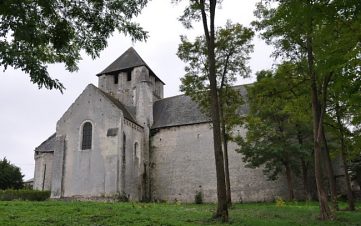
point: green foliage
(232, 49)
(10, 175)
(24, 194)
(36, 33)
(280, 202)
(198, 198)
(102, 213)
(278, 125)
(355, 169)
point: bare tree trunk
(325, 212)
(222, 207)
(330, 173)
(226, 167)
(350, 199)
(305, 180)
(225, 153)
(303, 166)
(291, 194)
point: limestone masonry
(124, 138)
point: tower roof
(129, 59)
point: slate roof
(175, 111)
(182, 110)
(47, 145)
(129, 59)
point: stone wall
(183, 163)
(43, 170)
(97, 171)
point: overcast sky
(29, 115)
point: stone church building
(123, 137)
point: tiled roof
(129, 59)
(47, 145)
(182, 110)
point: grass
(97, 213)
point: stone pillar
(58, 167)
(144, 116)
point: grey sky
(28, 115)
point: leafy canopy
(10, 175)
(232, 49)
(278, 128)
(34, 33)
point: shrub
(10, 175)
(198, 198)
(122, 197)
(280, 202)
(24, 194)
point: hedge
(23, 194)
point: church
(124, 138)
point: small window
(129, 75)
(115, 79)
(87, 136)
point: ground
(96, 213)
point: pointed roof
(129, 59)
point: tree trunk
(350, 200)
(226, 167)
(225, 154)
(303, 166)
(291, 194)
(330, 173)
(325, 212)
(305, 180)
(222, 207)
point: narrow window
(115, 79)
(123, 164)
(87, 136)
(124, 147)
(136, 155)
(129, 75)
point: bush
(24, 194)
(10, 175)
(280, 202)
(198, 198)
(122, 197)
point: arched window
(86, 142)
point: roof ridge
(171, 97)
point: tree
(10, 175)
(36, 33)
(341, 111)
(232, 48)
(323, 33)
(277, 129)
(205, 11)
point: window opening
(87, 136)
(115, 79)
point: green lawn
(97, 213)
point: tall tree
(35, 33)
(10, 175)
(277, 129)
(232, 48)
(326, 33)
(205, 11)
(344, 100)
